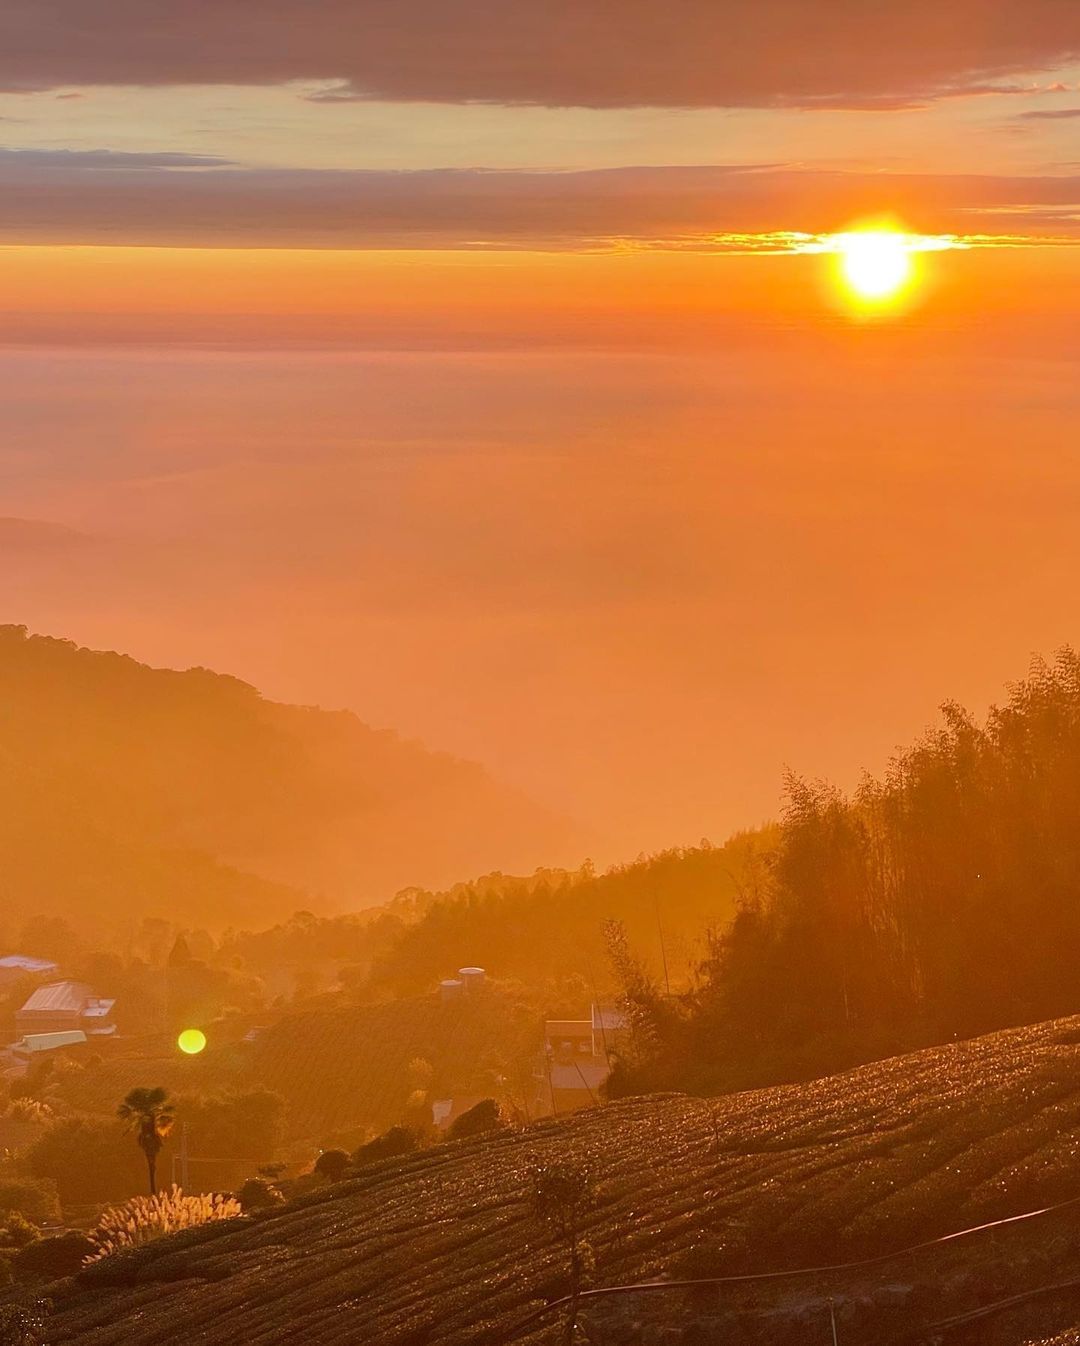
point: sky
(489, 369)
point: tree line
(940, 900)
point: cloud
(1051, 114)
(178, 200)
(594, 53)
(15, 162)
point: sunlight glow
(191, 1041)
(875, 263)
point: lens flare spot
(191, 1041)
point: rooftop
(59, 997)
(568, 1028)
(21, 963)
(608, 1018)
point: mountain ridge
(164, 773)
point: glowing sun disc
(191, 1041)
(875, 263)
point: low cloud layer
(1052, 114)
(594, 53)
(178, 200)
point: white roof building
(66, 1006)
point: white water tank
(450, 989)
(472, 977)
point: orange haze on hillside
(636, 530)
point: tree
(149, 1114)
(88, 1159)
(562, 1195)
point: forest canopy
(940, 900)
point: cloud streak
(187, 201)
(1051, 114)
(592, 53)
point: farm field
(443, 1247)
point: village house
(65, 1007)
(576, 1060)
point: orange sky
(383, 381)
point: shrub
(89, 1160)
(332, 1165)
(17, 1231)
(483, 1116)
(36, 1200)
(52, 1259)
(399, 1140)
(563, 1194)
(144, 1218)
(259, 1194)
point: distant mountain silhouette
(128, 791)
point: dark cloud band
(595, 53)
(177, 200)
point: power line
(862, 1264)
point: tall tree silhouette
(149, 1114)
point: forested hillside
(127, 790)
(939, 900)
(552, 926)
(446, 1246)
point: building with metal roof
(65, 1006)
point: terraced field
(443, 1248)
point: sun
(876, 264)
(191, 1041)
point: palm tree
(149, 1114)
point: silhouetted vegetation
(547, 930)
(49, 1259)
(481, 1117)
(332, 1165)
(941, 900)
(392, 1144)
(149, 1115)
(563, 1194)
(259, 1193)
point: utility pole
(185, 1175)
